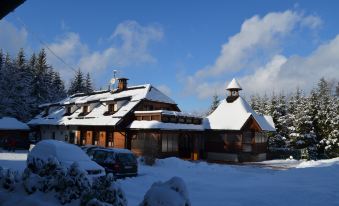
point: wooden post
(89, 137)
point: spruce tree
(255, 103)
(41, 79)
(23, 81)
(88, 84)
(58, 87)
(278, 113)
(77, 84)
(214, 104)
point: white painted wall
(59, 132)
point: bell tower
(233, 89)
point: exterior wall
(147, 105)
(161, 144)
(61, 133)
(20, 137)
(119, 140)
(247, 145)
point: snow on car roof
(11, 123)
(61, 150)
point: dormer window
(46, 112)
(85, 109)
(112, 108)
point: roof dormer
(233, 89)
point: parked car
(89, 149)
(66, 154)
(120, 162)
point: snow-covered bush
(42, 175)
(31, 182)
(105, 191)
(8, 179)
(96, 202)
(170, 193)
(72, 185)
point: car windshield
(126, 157)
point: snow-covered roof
(98, 101)
(233, 116)
(234, 84)
(168, 112)
(143, 124)
(11, 123)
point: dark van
(120, 162)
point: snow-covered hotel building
(145, 120)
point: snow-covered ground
(299, 183)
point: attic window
(46, 112)
(69, 110)
(112, 108)
(85, 109)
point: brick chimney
(122, 84)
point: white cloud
(286, 74)
(128, 45)
(12, 38)
(258, 41)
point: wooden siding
(147, 105)
(89, 137)
(102, 138)
(119, 139)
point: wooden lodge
(11, 130)
(146, 121)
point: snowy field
(275, 182)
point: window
(260, 137)
(112, 108)
(247, 138)
(85, 109)
(169, 143)
(69, 110)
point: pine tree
(41, 79)
(77, 84)
(23, 81)
(88, 84)
(255, 102)
(278, 113)
(7, 88)
(58, 87)
(303, 135)
(214, 104)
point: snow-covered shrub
(31, 182)
(8, 179)
(42, 175)
(105, 190)
(170, 193)
(73, 184)
(95, 202)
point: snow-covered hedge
(105, 190)
(8, 179)
(170, 193)
(66, 184)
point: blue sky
(189, 49)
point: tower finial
(233, 88)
